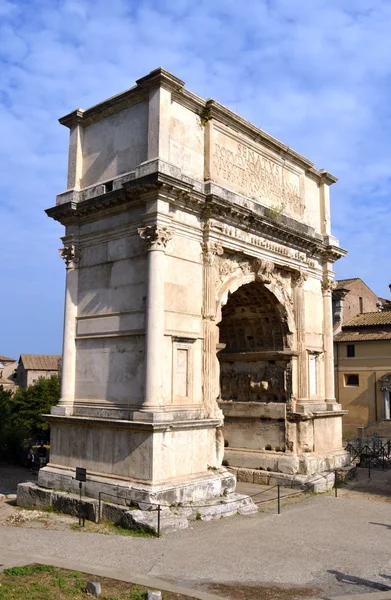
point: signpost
(81, 475)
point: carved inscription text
(258, 176)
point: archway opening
(255, 375)
(254, 354)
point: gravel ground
(333, 545)
(336, 545)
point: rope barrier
(191, 505)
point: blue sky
(314, 73)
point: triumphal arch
(198, 324)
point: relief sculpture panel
(257, 381)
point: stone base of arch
(313, 473)
(264, 444)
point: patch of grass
(138, 593)
(44, 582)
(15, 571)
(135, 532)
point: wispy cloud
(316, 74)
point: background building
(8, 367)
(362, 356)
(352, 297)
(33, 366)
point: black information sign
(81, 474)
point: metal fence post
(81, 517)
(278, 500)
(99, 506)
(335, 484)
(158, 520)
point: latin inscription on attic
(255, 175)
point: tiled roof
(6, 359)
(342, 282)
(40, 362)
(369, 319)
(357, 336)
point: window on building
(351, 380)
(361, 305)
(350, 351)
(108, 186)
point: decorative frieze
(260, 242)
(156, 237)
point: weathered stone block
(137, 519)
(261, 477)
(114, 513)
(246, 475)
(345, 473)
(70, 504)
(32, 496)
(93, 588)
(144, 520)
(289, 464)
(321, 483)
(248, 509)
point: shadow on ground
(344, 578)
(241, 591)
(11, 475)
(377, 487)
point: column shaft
(154, 337)
(210, 360)
(302, 383)
(69, 343)
(328, 346)
(70, 254)
(156, 238)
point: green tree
(5, 411)
(27, 407)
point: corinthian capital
(299, 278)
(328, 285)
(155, 236)
(71, 255)
(210, 250)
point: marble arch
(173, 205)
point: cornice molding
(208, 206)
(160, 78)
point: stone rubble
(94, 588)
